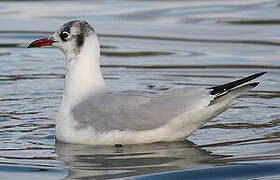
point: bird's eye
(64, 35)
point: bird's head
(69, 38)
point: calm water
(151, 46)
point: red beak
(41, 42)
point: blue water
(151, 46)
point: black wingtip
(258, 75)
(254, 84)
(225, 87)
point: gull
(91, 113)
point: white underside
(176, 129)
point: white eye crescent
(64, 35)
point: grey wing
(136, 111)
(105, 111)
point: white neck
(83, 75)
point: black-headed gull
(90, 113)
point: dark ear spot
(80, 40)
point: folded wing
(122, 111)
